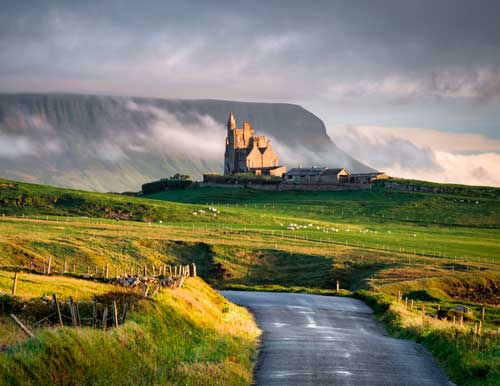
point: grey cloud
(15, 146)
(395, 52)
(351, 40)
(481, 84)
(385, 151)
(403, 155)
(18, 146)
(26, 135)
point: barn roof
(306, 171)
(315, 171)
(333, 172)
(374, 174)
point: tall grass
(468, 358)
(185, 336)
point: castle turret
(231, 122)
(246, 152)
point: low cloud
(201, 136)
(465, 158)
(15, 146)
(481, 84)
(26, 135)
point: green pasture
(438, 249)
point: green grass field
(439, 249)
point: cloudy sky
(418, 79)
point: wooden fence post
(106, 270)
(115, 313)
(124, 312)
(77, 312)
(338, 286)
(49, 265)
(104, 318)
(192, 270)
(145, 270)
(23, 327)
(154, 270)
(94, 314)
(65, 269)
(14, 284)
(72, 311)
(58, 310)
(145, 291)
(406, 302)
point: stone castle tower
(249, 153)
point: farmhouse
(249, 153)
(366, 178)
(316, 175)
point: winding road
(322, 340)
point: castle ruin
(249, 153)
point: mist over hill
(109, 143)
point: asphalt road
(321, 340)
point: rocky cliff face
(109, 143)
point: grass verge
(188, 336)
(469, 359)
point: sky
(420, 79)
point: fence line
(97, 315)
(383, 247)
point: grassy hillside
(421, 224)
(478, 208)
(439, 249)
(189, 336)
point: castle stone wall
(247, 152)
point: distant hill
(108, 143)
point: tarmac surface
(322, 340)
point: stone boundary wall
(289, 186)
(324, 187)
(217, 185)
